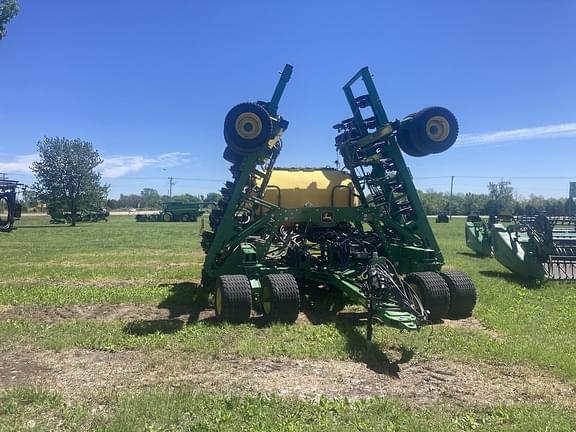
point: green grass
(186, 410)
(160, 263)
(142, 263)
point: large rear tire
(431, 130)
(407, 146)
(233, 298)
(462, 294)
(247, 128)
(280, 298)
(433, 291)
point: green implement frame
(259, 255)
(535, 247)
(8, 192)
(65, 217)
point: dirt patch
(80, 372)
(132, 312)
(101, 312)
(472, 323)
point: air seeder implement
(359, 232)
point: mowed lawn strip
(184, 409)
(340, 340)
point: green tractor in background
(361, 233)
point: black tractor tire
(405, 143)
(433, 292)
(231, 156)
(185, 218)
(280, 298)
(167, 217)
(431, 130)
(247, 128)
(233, 298)
(462, 294)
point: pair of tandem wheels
(280, 298)
(443, 295)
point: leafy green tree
(569, 207)
(8, 10)
(501, 197)
(434, 202)
(213, 197)
(66, 176)
(150, 198)
(29, 200)
(185, 198)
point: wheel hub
(437, 128)
(248, 125)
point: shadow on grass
(472, 255)
(42, 226)
(512, 278)
(186, 298)
(352, 326)
(146, 327)
(190, 298)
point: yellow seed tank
(311, 187)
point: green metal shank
(363, 151)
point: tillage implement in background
(536, 247)
(175, 211)
(65, 217)
(10, 208)
(360, 233)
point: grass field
(104, 327)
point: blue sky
(149, 84)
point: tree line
(150, 199)
(500, 199)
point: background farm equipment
(176, 212)
(538, 247)
(11, 209)
(442, 218)
(363, 233)
(64, 217)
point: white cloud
(21, 165)
(172, 159)
(112, 167)
(118, 166)
(541, 132)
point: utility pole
(170, 187)
(450, 202)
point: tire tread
(236, 298)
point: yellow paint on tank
(310, 187)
